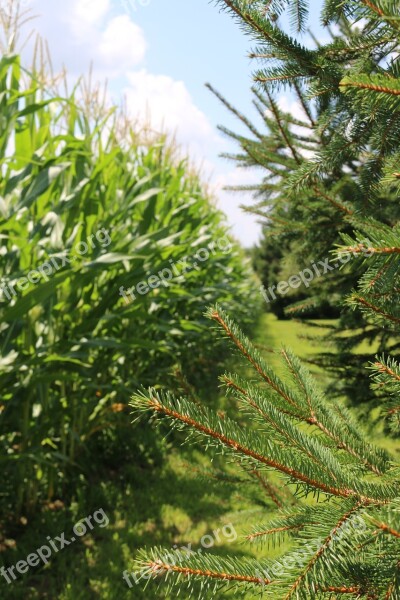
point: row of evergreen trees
(331, 176)
(308, 206)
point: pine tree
(344, 529)
(322, 171)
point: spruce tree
(322, 170)
(344, 529)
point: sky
(158, 55)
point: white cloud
(244, 227)
(115, 44)
(122, 45)
(169, 106)
(91, 32)
(86, 31)
(85, 19)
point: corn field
(87, 209)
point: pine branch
(386, 529)
(332, 201)
(370, 85)
(311, 413)
(234, 111)
(368, 250)
(331, 589)
(386, 374)
(207, 569)
(263, 30)
(244, 347)
(322, 549)
(281, 425)
(304, 104)
(166, 406)
(373, 7)
(357, 299)
(391, 20)
(161, 568)
(269, 488)
(285, 134)
(304, 459)
(314, 401)
(299, 13)
(257, 534)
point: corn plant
(86, 215)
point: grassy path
(158, 502)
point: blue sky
(158, 54)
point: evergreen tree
(308, 204)
(344, 531)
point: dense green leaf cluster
(84, 213)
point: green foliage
(91, 211)
(341, 199)
(327, 172)
(347, 539)
(386, 373)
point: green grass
(273, 334)
(165, 505)
(302, 339)
(161, 502)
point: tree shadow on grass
(159, 506)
